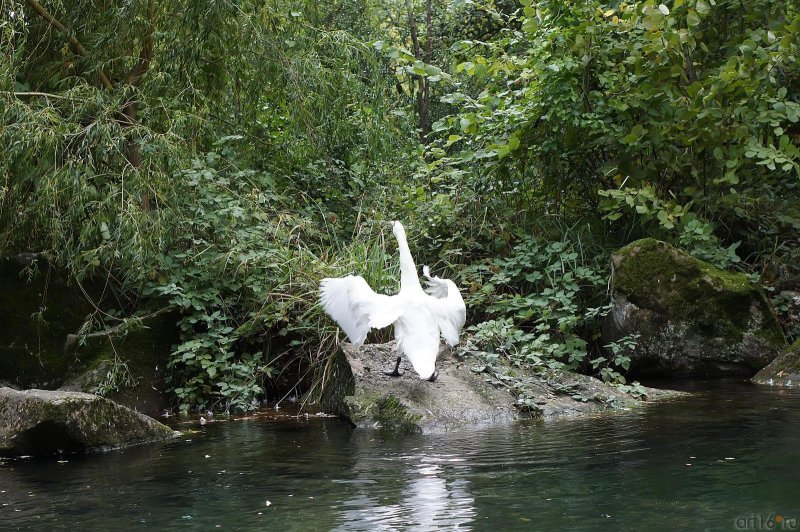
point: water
(723, 459)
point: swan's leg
(396, 372)
(433, 377)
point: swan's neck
(408, 270)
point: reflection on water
(703, 462)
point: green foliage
(261, 146)
(657, 110)
(617, 357)
(787, 307)
(259, 136)
(698, 238)
(537, 301)
(118, 377)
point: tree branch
(412, 26)
(146, 53)
(42, 12)
(44, 94)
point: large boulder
(38, 309)
(41, 344)
(45, 422)
(784, 370)
(466, 393)
(694, 319)
(127, 363)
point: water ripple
(698, 462)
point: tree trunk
(422, 83)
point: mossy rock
(127, 364)
(38, 309)
(784, 370)
(45, 422)
(694, 319)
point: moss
(339, 383)
(655, 275)
(28, 418)
(394, 417)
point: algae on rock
(694, 319)
(44, 422)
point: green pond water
(725, 458)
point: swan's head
(398, 229)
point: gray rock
(45, 422)
(461, 396)
(694, 319)
(784, 370)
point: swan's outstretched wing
(446, 305)
(417, 336)
(356, 307)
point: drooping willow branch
(39, 8)
(127, 116)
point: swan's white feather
(417, 336)
(356, 307)
(448, 309)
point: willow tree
(186, 152)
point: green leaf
(530, 25)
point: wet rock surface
(460, 397)
(37, 422)
(784, 370)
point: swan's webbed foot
(396, 372)
(433, 377)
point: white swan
(418, 317)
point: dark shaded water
(726, 458)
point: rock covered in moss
(463, 395)
(694, 319)
(784, 370)
(127, 364)
(45, 422)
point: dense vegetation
(221, 157)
